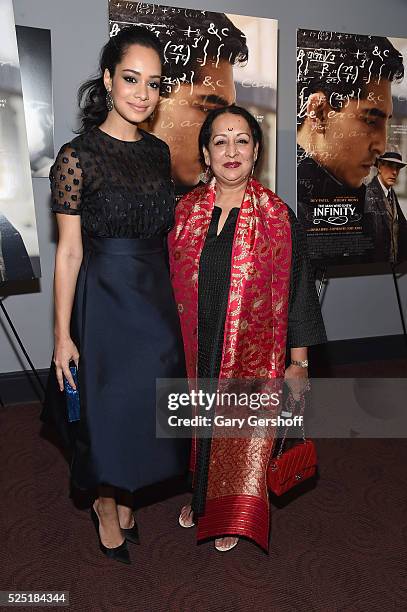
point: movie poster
(352, 146)
(211, 60)
(34, 51)
(19, 252)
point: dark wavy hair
(92, 93)
(206, 128)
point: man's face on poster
(179, 117)
(350, 139)
(388, 172)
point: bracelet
(301, 364)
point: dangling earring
(109, 101)
(152, 117)
(205, 177)
(252, 172)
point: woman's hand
(296, 378)
(64, 352)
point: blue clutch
(72, 396)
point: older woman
(245, 291)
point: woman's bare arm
(68, 260)
(66, 178)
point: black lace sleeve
(305, 323)
(66, 178)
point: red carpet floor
(339, 547)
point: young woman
(115, 314)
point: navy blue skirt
(125, 324)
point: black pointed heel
(132, 534)
(119, 553)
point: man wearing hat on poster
(384, 220)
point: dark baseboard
(357, 350)
(22, 387)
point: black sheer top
(121, 189)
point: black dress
(124, 319)
(305, 323)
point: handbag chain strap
(290, 410)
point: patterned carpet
(340, 547)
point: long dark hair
(206, 128)
(92, 93)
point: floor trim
(22, 387)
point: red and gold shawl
(254, 341)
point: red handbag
(294, 465)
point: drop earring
(205, 177)
(109, 101)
